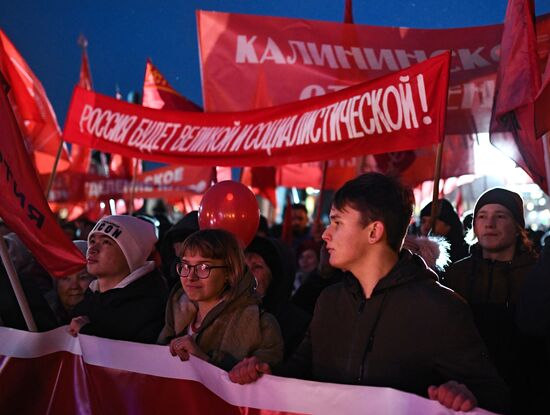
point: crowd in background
(199, 292)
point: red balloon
(233, 207)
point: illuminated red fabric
(54, 373)
(163, 182)
(80, 155)
(372, 117)
(33, 111)
(292, 59)
(518, 83)
(23, 206)
(542, 104)
(158, 93)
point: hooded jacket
(411, 333)
(234, 329)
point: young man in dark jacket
(128, 299)
(491, 280)
(389, 323)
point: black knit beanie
(445, 212)
(510, 200)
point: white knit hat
(134, 236)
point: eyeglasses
(202, 271)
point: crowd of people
(461, 316)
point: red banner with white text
(252, 61)
(164, 182)
(400, 111)
(56, 373)
(289, 59)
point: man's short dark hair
(382, 198)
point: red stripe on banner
(61, 383)
(54, 384)
(54, 373)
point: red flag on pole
(32, 109)
(81, 155)
(263, 179)
(542, 104)
(23, 206)
(518, 82)
(121, 166)
(158, 93)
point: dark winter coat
(411, 333)
(493, 288)
(534, 305)
(133, 313)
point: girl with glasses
(215, 314)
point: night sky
(121, 36)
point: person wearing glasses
(215, 314)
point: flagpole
(16, 285)
(133, 187)
(214, 177)
(54, 169)
(437, 176)
(241, 174)
(322, 193)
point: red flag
(122, 166)
(263, 178)
(518, 82)
(81, 155)
(542, 104)
(32, 109)
(23, 206)
(158, 93)
(72, 180)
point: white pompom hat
(135, 237)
